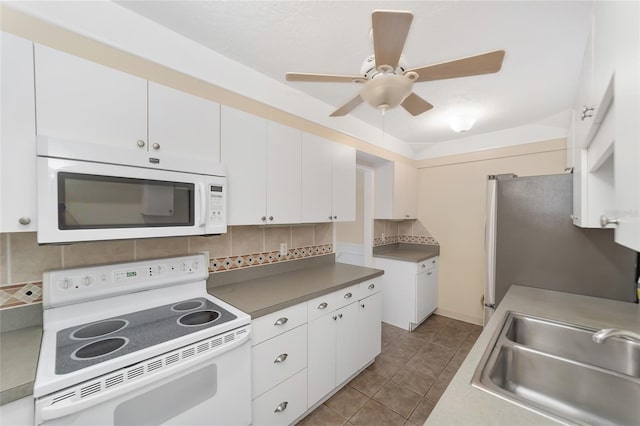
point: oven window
(95, 202)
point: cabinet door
(321, 364)
(627, 130)
(244, 149)
(316, 179)
(283, 174)
(18, 139)
(83, 101)
(426, 293)
(182, 124)
(344, 183)
(347, 355)
(398, 284)
(370, 328)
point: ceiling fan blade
(347, 108)
(390, 29)
(485, 63)
(323, 78)
(415, 105)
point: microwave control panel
(216, 204)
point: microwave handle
(203, 205)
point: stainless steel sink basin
(575, 343)
(556, 370)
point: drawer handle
(424, 266)
(429, 273)
(323, 305)
(281, 321)
(348, 296)
(371, 286)
(280, 358)
(281, 407)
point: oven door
(86, 201)
(214, 391)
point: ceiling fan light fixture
(462, 123)
(386, 91)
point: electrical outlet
(283, 249)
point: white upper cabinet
(607, 152)
(316, 190)
(627, 128)
(283, 174)
(343, 205)
(182, 124)
(396, 191)
(263, 169)
(18, 140)
(244, 150)
(83, 101)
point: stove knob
(87, 280)
(66, 283)
(183, 266)
(195, 265)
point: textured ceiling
(544, 43)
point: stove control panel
(82, 284)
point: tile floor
(404, 383)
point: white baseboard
(459, 316)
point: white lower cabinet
(410, 291)
(283, 404)
(344, 340)
(303, 353)
(18, 413)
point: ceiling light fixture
(387, 90)
(462, 123)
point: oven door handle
(50, 412)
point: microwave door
(82, 201)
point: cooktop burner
(99, 329)
(89, 344)
(198, 318)
(99, 348)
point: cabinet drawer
(346, 296)
(427, 264)
(282, 404)
(321, 305)
(277, 359)
(278, 322)
(367, 288)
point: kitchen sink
(557, 370)
(575, 343)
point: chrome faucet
(602, 335)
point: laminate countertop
(407, 252)
(263, 295)
(19, 351)
(462, 404)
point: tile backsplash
(406, 231)
(22, 260)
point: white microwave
(89, 192)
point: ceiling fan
(386, 82)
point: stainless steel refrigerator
(531, 241)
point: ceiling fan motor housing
(368, 67)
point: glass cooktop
(85, 345)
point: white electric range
(141, 343)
